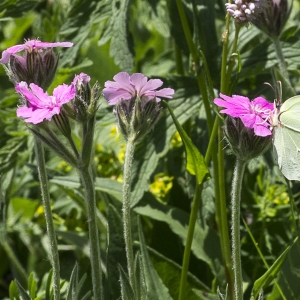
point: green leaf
(206, 244)
(140, 277)
(23, 293)
(107, 185)
(77, 240)
(156, 145)
(72, 292)
(115, 254)
(170, 273)
(32, 285)
(267, 278)
(155, 287)
(126, 290)
(48, 285)
(117, 29)
(289, 276)
(13, 290)
(194, 160)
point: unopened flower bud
(243, 11)
(136, 117)
(272, 19)
(77, 109)
(62, 123)
(243, 142)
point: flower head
(40, 105)
(244, 143)
(254, 114)
(272, 19)
(85, 103)
(34, 65)
(243, 11)
(136, 102)
(126, 87)
(30, 46)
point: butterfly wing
(291, 104)
(287, 146)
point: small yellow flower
(161, 186)
(121, 154)
(176, 140)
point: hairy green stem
(90, 201)
(235, 227)
(127, 212)
(39, 152)
(220, 194)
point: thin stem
(90, 201)
(235, 227)
(39, 152)
(221, 212)
(127, 212)
(189, 240)
(263, 259)
(23, 276)
(282, 66)
(73, 146)
(224, 55)
(220, 195)
(232, 58)
(187, 32)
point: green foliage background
(143, 36)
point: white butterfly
(286, 136)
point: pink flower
(40, 105)
(254, 114)
(81, 79)
(29, 46)
(126, 87)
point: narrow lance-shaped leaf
(266, 279)
(194, 160)
(155, 286)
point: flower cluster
(243, 11)
(247, 126)
(254, 114)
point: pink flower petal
(254, 114)
(29, 46)
(165, 93)
(139, 80)
(41, 105)
(126, 87)
(64, 93)
(8, 52)
(113, 96)
(262, 131)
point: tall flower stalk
(248, 133)
(79, 102)
(37, 66)
(136, 108)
